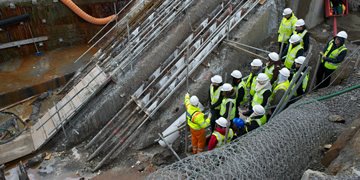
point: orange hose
(85, 16)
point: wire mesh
(281, 149)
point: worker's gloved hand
(209, 116)
(187, 95)
(247, 121)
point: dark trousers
(323, 74)
(215, 114)
(283, 48)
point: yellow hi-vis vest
(214, 95)
(305, 82)
(287, 26)
(223, 107)
(281, 86)
(242, 84)
(220, 138)
(260, 121)
(251, 84)
(195, 118)
(291, 55)
(334, 54)
(301, 35)
(258, 97)
(269, 71)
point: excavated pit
(257, 30)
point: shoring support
(167, 144)
(247, 51)
(248, 46)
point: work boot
(194, 150)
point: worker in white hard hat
(273, 66)
(304, 84)
(287, 26)
(217, 138)
(255, 120)
(280, 87)
(197, 123)
(332, 56)
(300, 29)
(256, 68)
(240, 90)
(215, 98)
(228, 104)
(262, 92)
(292, 51)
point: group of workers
(245, 104)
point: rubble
(336, 118)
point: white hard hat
(300, 22)
(274, 56)
(295, 38)
(262, 77)
(216, 79)
(259, 110)
(194, 100)
(300, 60)
(285, 72)
(342, 34)
(256, 62)
(287, 11)
(221, 122)
(236, 74)
(226, 87)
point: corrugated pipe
(85, 16)
(337, 93)
(14, 20)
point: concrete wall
(312, 11)
(315, 14)
(102, 108)
(259, 27)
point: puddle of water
(30, 70)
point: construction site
(94, 89)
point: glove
(187, 95)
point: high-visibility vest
(281, 86)
(242, 84)
(291, 55)
(220, 138)
(195, 118)
(287, 26)
(305, 82)
(215, 95)
(258, 97)
(251, 83)
(223, 107)
(301, 35)
(260, 121)
(334, 54)
(269, 71)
